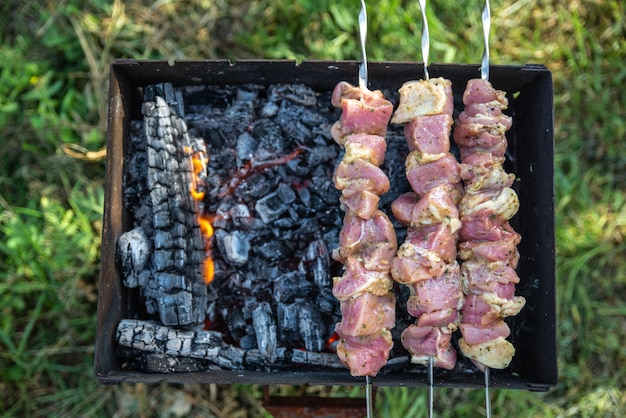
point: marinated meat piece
(373, 241)
(477, 334)
(360, 175)
(482, 226)
(437, 293)
(402, 207)
(477, 311)
(429, 342)
(429, 134)
(425, 176)
(357, 280)
(365, 355)
(363, 204)
(367, 314)
(414, 264)
(424, 97)
(362, 111)
(481, 91)
(448, 318)
(437, 238)
(503, 203)
(436, 206)
(496, 353)
(370, 148)
(489, 251)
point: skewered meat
(426, 261)
(488, 243)
(367, 240)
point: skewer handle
(363, 37)
(425, 38)
(486, 18)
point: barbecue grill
(530, 157)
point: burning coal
(234, 212)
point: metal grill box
(530, 157)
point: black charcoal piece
(265, 331)
(270, 207)
(297, 93)
(326, 301)
(315, 263)
(285, 193)
(133, 255)
(268, 110)
(247, 342)
(233, 319)
(291, 286)
(311, 358)
(246, 148)
(236, 248)
(311, 328)
(321, 154)
(305, 195)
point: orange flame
(198, 164)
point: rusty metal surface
(314, 406)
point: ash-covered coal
(275, 215)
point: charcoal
(133, 255)
(254, 359)
(271, 140)
(286, 194)
(234, 321)
(270, 207)
(287, 314)
(271, 250)
(297, 93)
(305, 196)
(273, 207)
(292, 286)
(247, 342)
(255, 186)
(269, 110)
(282, 224)
(289, 119)
(265, 331)
(315, 263)
(246, 148)
(248, 92)
(236, 248)
(311, 328)
(326, 301)
(310, 358)
(321, 154)
(240, 215)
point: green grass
(53, 92)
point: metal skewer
(425, 38)
(363, 36)
(486, 18)
(487, 397)
(425, 53)
(431, 387)
(484, 74)
(363, 86)
(368, 397)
